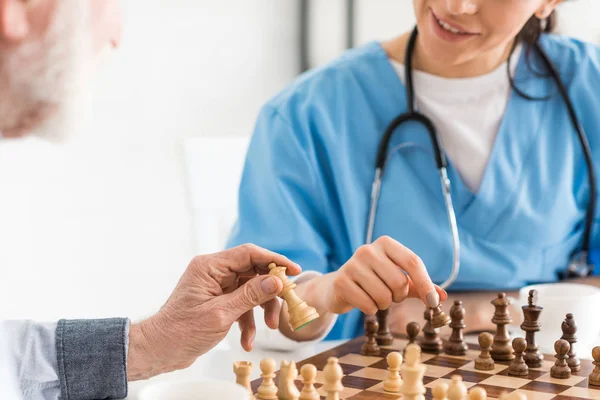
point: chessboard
(363, 376)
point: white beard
(43, 82)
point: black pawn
(517, 366)
(370, 347)
(412, 331)
(456, 345)
(569, 329)
(431, 342)
(561, 369)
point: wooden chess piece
(517, 366)
(501, 348)
(309, 375)
(394, 381)
(440, 391)
(412, 331)
(594, 378)
(412, 375)
(457, 389)
(485, 362)
(431, 342)
(370, 347)
(300, 313)
(569, 329)
(333, 375)
(531, 325)
(561, 369)
(456, 345)
(384, 337)
(242, 370)
(477, 393)
(287, 387)
(439, 318)
(267, 390)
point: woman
(519, 178)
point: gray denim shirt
(68, 360)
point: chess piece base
(432, 348)
(368, 349)
(502, 353)
(521, 371)
(311, 315)
(392, 386)
(574, 364)
(594, 379)
(533, 360)
(385, 340)
(484, 364)
(560, 372)
(267, 396)
(456, 349)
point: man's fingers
(375, 288)
(414, 267)
(358, 298)
(248, 328)
(249, 257)
(393, 277)
(253, 293)
(272, 310)
(413, 292)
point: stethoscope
(578, 265)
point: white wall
(106, 225)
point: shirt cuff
(92, 358)
(269, 339)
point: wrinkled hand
(214, 292)
(378, 275)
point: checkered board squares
(364, 376)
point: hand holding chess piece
(300, 313)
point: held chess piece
(531, 325)
(518, 367)
(431, 342)
(393, 382)
(456, 345)
(501, 348)
(267, 390)
(594, 378)
(440, 391)
(561, 369)
(569, 329)
(287, 387)
(439, 319)
(370, 347)
(242, 370)
(485, 362)
(412, 375)
(309, 375)
(457, 389)
(384, 337)
(300, 313)
(477, 393)
(333, 375)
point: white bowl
(194, 390)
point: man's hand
(215, 291)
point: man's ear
(547, 8)
(14, 23)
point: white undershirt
(467, 113)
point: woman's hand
(376, 276)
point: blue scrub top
(307, 179)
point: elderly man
(46, 50)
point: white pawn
(440, 391)
(477, 393)
(412, 374)
(309, 375)
(457, 389)
(333, 375)
(267, 389)
(393, 382)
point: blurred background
(105, 225)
